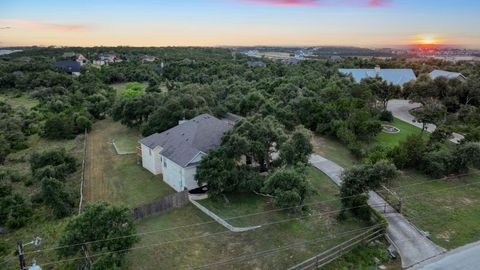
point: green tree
(297, 148)
(256, 138)
(430, 113)
(54, 195)
(289, 187)
(358, 180)
(99, 221)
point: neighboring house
(81, 59)
(393, 76)
(256, 64)
(109, 58)
(149, 58)
(447, 74)
(70, 66)
(176, 152)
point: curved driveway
(412, 246)
(400, 108)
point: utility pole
(21, 258)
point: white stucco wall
(151, 159)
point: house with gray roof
(393, 76)
(176, 152)
(447, 74)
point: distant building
(107, 58)
(69, 66)
(393, 76)
(447, 74)
(68, 54)
(256, 64)
(149, 58)
(176, 152)
(81, 59)
(336, 58)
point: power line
(234, 217)
(274, 250)
(263, 224)
(180, 240)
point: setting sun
(427, 40)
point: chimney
(377, 69)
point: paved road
(400, 108)
(462, 258)
(412, 246)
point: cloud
(40, 25)
(5, 28)
(352, 3)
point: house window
(150, 152)
(165, 163)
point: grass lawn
(451, 215)
(334, 150)
(120, 87)
(216, 248)
(17, 101)
(118, 178)
(127, 141)
(393, 139)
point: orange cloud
(40, 25)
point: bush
(437, 164)
(409, 153)
(289, 187)
(386, 116)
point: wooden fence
(161, 205)
(330, 255)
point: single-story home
(393, 76)
(176, 152)
(70, 66)
(447, 74)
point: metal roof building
(393, 76)
(447, 74)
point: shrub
(386, 116)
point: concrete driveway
(412, 245)
(400, 108)
(462, 258)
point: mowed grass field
(209, 244)
(329, 147)
(448, 209)
(393, 139)
(118, 179)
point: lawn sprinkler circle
(390, 129)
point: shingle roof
(447, 74)
(183, 142)
(68, 66)
(394, 76)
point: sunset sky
(367, 23)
